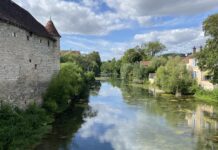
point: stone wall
(27, 63)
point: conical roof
(50, 27)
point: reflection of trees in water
(68, 123)
(64, 128)
(95, 88)
(179, 112)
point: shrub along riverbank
(22, 129)
(209, 96)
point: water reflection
(203, 119)
(129, 118)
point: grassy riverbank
(21, 130)
(208, 96)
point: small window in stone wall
(14, 34)
(28, 38)
(30, 60)
(40, 41)
(35, 66)
(31, 34)
(55, 44)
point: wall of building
(27, 63)
(199, 75)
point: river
(122, 117)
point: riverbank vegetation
(20, 129)
(209, 96)
(175, 78)
(73, 80)
(89, 62)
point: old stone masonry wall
(27, 64)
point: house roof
(51, 29)
(13, 14)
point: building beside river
(202, 77)
(29, 55)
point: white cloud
(162, 7)
(80, 18)
(72, 17)
(179, 40)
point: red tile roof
(51, 29)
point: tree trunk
(178, 92)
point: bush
(126, 71)
(207, 95)
(139, 73)
(175, 78)
(66, 85)
(90, 77)
(20, 129)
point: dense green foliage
(208, 57)
(68, 84)
(89, 62)
(207, 95)
(129, 67)
(156, 62)
(126, 72)
(20, 130)
(133, 55)
(174, 77)
(111, 68)
(133, 72)
(152, 48)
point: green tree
(152, 48)
(208, 57)
(156, 62)
(139, 73)
(174, 77)
(126, 71)
(64, 87)
(94, 61)
(133, 55)
(90, 62)
(111, 67)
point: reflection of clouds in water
(107, 90)
(129, 129)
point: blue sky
(113, 26)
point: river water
(122, 117)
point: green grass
(21, 130)
(209, 96)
